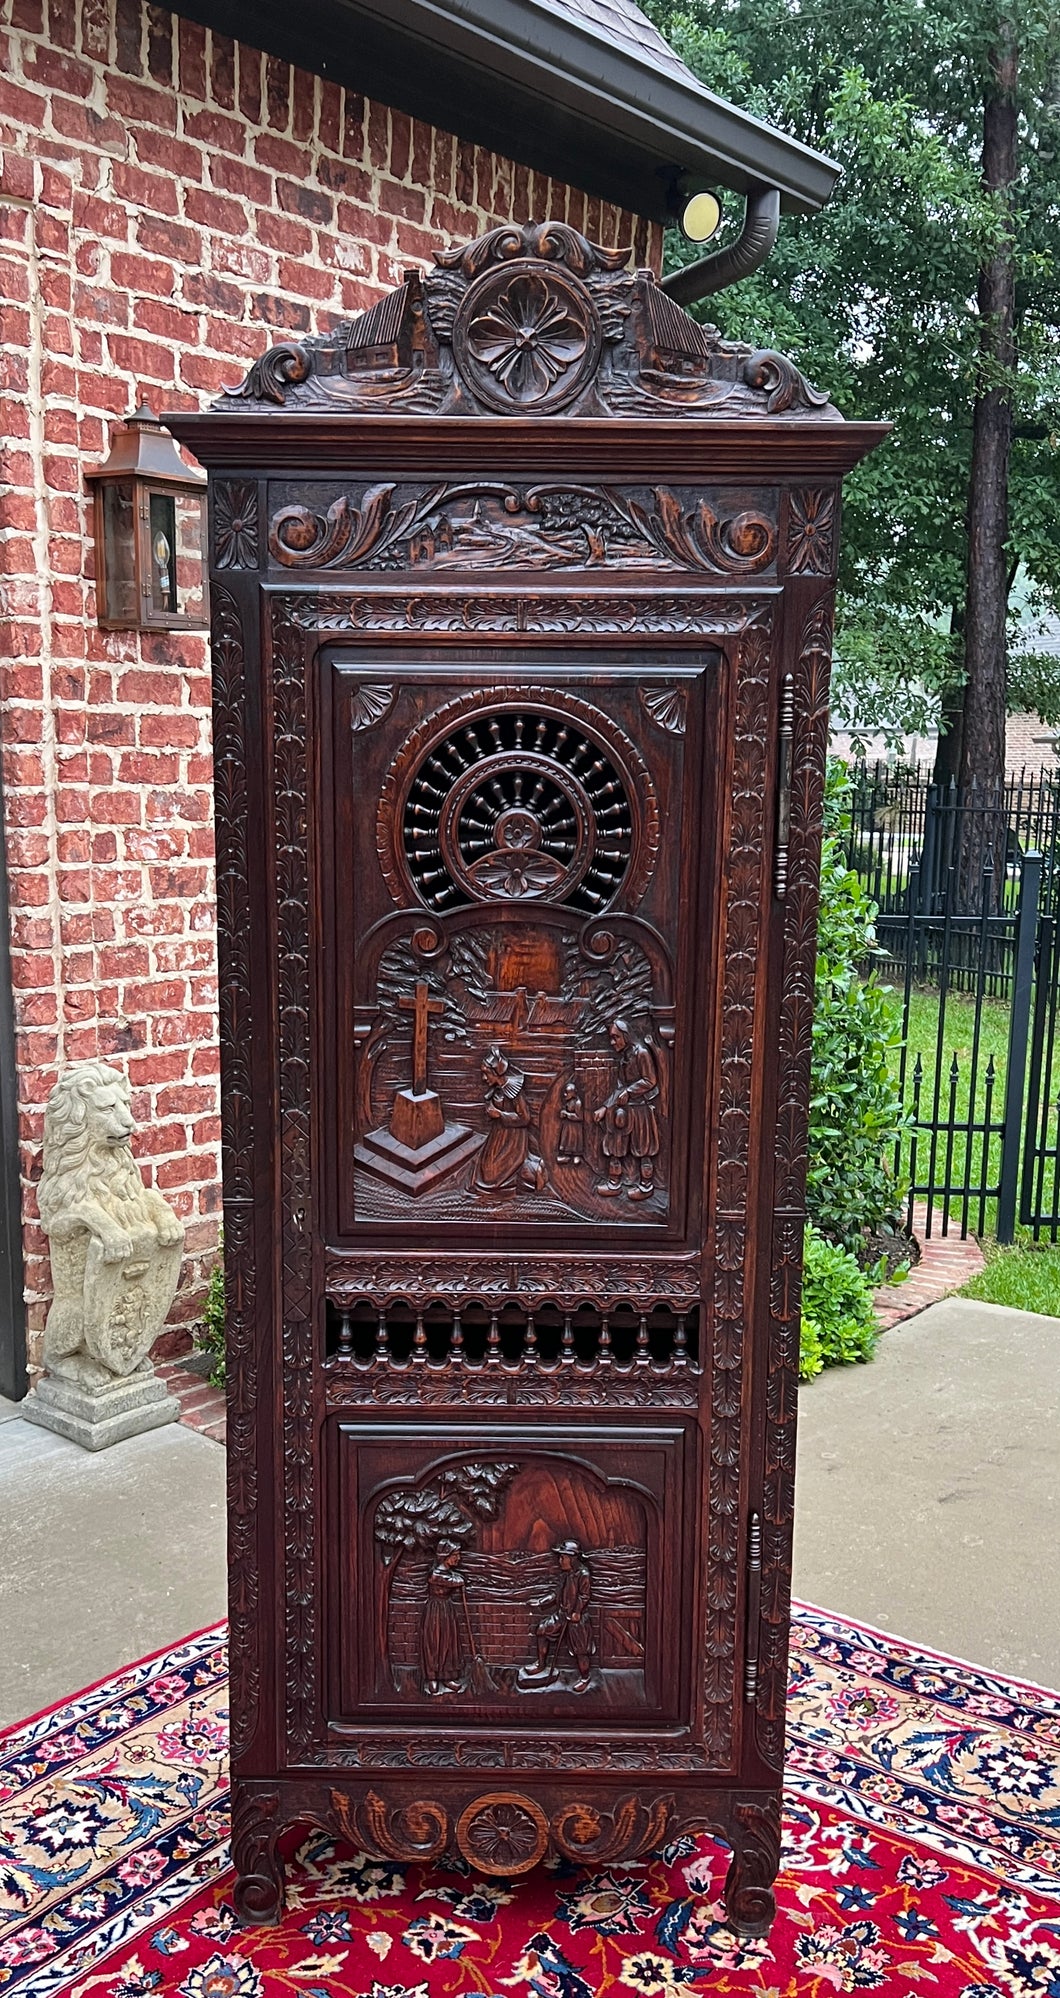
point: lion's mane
(79, 1164)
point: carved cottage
(522, 589)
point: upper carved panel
(528, 321)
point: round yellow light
(701, 216)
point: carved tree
(449, 1508)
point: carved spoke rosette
(502, 1835)
(503, 799)
(526, 338)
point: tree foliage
(875, 298)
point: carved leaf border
(292, 922)
(459, 611)
(809, 749)
(237, 1144)
(746, 862)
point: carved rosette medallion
(502, 1835)
(812, 519)
(235, 524)
(526, 338)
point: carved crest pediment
(531, 321)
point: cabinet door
(537, 1573)
(520, 928)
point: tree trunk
(982, 764)
(951, 716)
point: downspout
(735, 260)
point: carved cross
(421, 1006)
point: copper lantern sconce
(150, 572)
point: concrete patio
(105, 1557)
(929, 1484)
(928, 1504)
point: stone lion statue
(115, 1244)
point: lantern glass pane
(190, 562)
(162, 551)
(119, 554)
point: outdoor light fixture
(698, 209)
(150, 573)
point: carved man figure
(564, 1625)
(629, 1118)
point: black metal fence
(969, 933)
(900, 819)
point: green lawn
(969, 1040)
(1027, 1276)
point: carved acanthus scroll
(491, 524)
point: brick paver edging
(945, 1264)
(202, 1407)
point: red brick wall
(168, 199)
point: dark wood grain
(521, 651)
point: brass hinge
(754, 1606)
(785, 735)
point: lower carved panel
(535, 1576)
(505, 1833)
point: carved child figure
(115, 1243)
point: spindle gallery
(522, 588)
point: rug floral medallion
(921, 1856)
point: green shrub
(838, 1321)
(855, 1108)
(211, 1336)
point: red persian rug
(921, 1858)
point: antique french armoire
(522, 595)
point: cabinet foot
(750, 1903)
(258, 1894)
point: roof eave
(518, 79)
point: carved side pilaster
(746, 860)
(809, 749)
(237, 1146)
(292, 923)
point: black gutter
(733, 260)
(537, 87)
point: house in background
(1032, 746)
(177, 189)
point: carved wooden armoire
(522, 593)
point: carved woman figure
(445, 1635)
(505, 1158)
